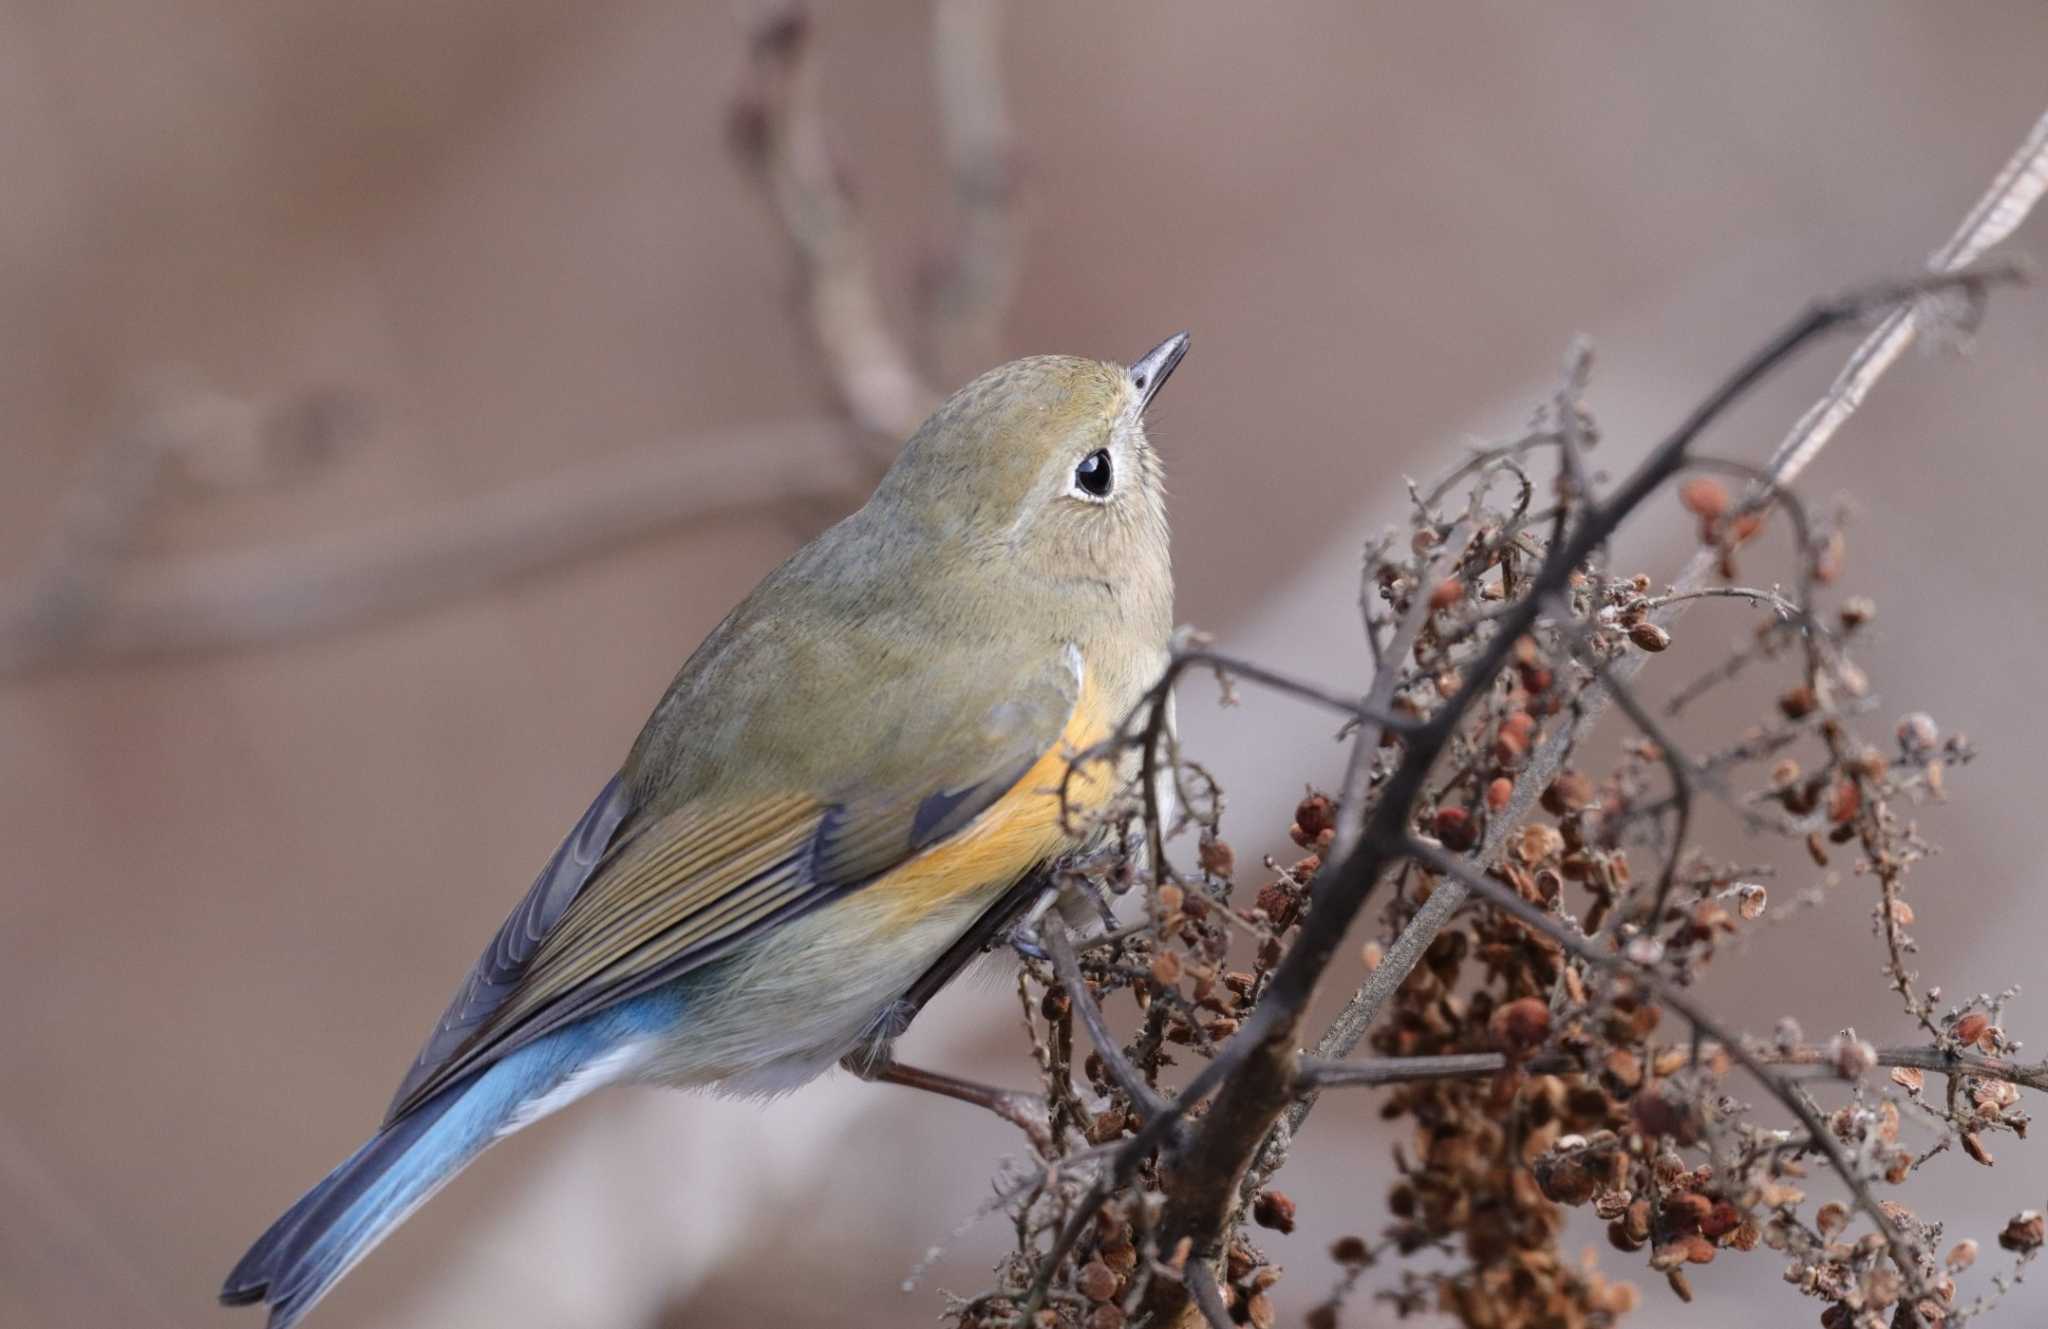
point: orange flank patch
(1016, 833)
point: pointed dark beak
(1150, 372)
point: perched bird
(849, 787)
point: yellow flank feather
(1017, 832)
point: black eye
(1092, 475)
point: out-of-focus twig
(95, 523)
(779, 133)
(973, 288)
(269, 594)
(2012, 195)
(175, 429)
(78, 601)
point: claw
(1024, 937)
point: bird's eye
(1091, 477)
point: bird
(867, 772)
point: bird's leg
(875, 1062)
(1024, 1111)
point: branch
(1321, 1073)
(264, 595)
(970, 300)
(2012, 195)
(1059, 947)
(779, 133)
(212, 440)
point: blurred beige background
(238, 885)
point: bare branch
(1067, 965)
(779, 132)
(973, 294)
(1374, 1071)
(2012, 195)
(264, 595)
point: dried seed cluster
(1584, 1078)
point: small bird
(852, 787)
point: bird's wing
(630, 902)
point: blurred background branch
(82, 602)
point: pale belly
(783, 1009)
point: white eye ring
(1094, 478)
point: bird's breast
(1047, 812)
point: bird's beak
(1152, 369)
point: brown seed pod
(1274, 1210)
(1686, 1211)
(1096, 1281)
(1798, 703)
(1519, 1027)
(1843, 801)
(1313, 816)
(1454, 827)
(1972, 1029)
(2024, 1232)
(1649, 636)
(1704, 497)
(1568, 793)
(1350, 1250)
(1538, 842)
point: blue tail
(340, 1220)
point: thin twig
(1059, 947)
(2012, 195)
(1394, 662)
(1373, 1071)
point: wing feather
(632, 901)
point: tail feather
(357, 1205)
(304, 1241)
